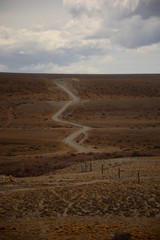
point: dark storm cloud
(148, 9)
(135, 32)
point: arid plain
(79, 156)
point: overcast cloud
(83, 36)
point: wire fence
(124, 170)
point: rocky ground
(100, 198)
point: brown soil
(47, 190)
(27, 105)
(81, 202)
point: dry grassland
(47, 190)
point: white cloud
(94, 38)
(44, 39)
(129, 23)
(154, 48)
(78, 7)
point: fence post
(119, 173)
(138, 178)
(85, 166)
(102, 170)
(90, 167)
(82, 168)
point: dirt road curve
(71, 139)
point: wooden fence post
(102, 170)
(138, 177)
(82, 168)
(90, 167)
(85, 166)
(119, 173)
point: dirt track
(70, 140)
(54, 193)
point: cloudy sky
(80, 36)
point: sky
(80, 36)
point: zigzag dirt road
(71, 139)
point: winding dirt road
(71, 139)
